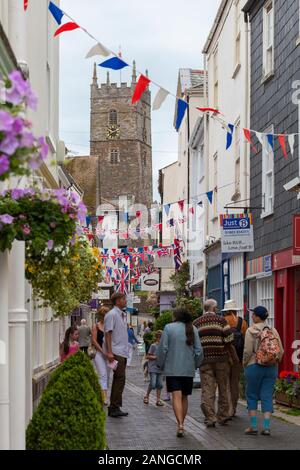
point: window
(267, 177)
(268, 39)
(215, 194)
(114, 156)
(237, 281)
(237, 156)
(237, 33)
(216, 81)
(113, 117)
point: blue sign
(236, 224)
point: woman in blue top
(179, 355)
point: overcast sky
(161, 35)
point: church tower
(121, 139)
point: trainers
(251, 432)
(266, 432)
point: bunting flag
(192, 210)
(167, 208)
(98, 49)
(270, 138)
(122, 281)
(181, 109)
(209, 195)
(70, 26)
(100, 218)
(229, 136)
(200, 204)
(247, 134)
(210, 110)
(262, 139)
(88, 220)
(181, 205)
(160, 97)
(177, 257)
(126, 217)
(291, 140)
(141, 86)
(138, 214)
(170, 223)
(115, 63)
(56, 12)
(281, 139)
(25, 4)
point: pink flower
(72, 216)
(50, 244)
(6, 219)
(4, 164)
(26, 229)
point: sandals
(180, 431)
(159, 403)
(146, 400)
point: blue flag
(56, 12)
(271, 140)
(209, 195)
(167, 208)
(88, 220)
(229, 136)
(181, 109)
(114, 63)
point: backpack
(268, 351)
(238, 341)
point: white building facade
(29, 336)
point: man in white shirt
(116, 344)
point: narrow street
(152, 428)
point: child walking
(154, 371)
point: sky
(161, 35)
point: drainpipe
(4, 366)
(206, 153)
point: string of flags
(117, 63)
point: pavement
(149, 427)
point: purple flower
(34, 164)
(9, 145)
(17, 193)
(72, 216)
(82, 211)
(26, 229)
(75, 197)
(4, 164)
(50, 244)
(6, 121)
(31, 99)
(18, 125)
(6, 219)
(19, 88)
(44, 148)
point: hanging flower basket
(20, 151)
(42, 218)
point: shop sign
(237, 233)
(296, 235)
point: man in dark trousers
(116, 346)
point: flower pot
(296, 402)
(283, 399)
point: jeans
(260, 382)
(102, 370)
(156, 382)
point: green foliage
(163, 320)
(148, 338)
(154, 311)
(78, 360)
(69, 415)
(192, 304)
(64, 283)
(180, 279)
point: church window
(114, 156)
(113, 117)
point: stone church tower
(121, 139)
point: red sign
(296, 235)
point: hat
(230, 305)
(260, 312)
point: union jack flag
(177, 257)
(121, 280)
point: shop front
(286, 268)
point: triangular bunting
(291, 140)
(66, 27)
(140, 87)
(270, 138)
(247, 134)
(98, 49)
(25, 4)
(192, 210)
(209, 195)
(56, 12)
(159, 98)
(281, 139)
(115, 63)
(181, 109)
(210, 110)
(181, 205)
(167, 208)
(229, 136)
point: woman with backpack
(262, 353)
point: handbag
(91, 351)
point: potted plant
(287, 389)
